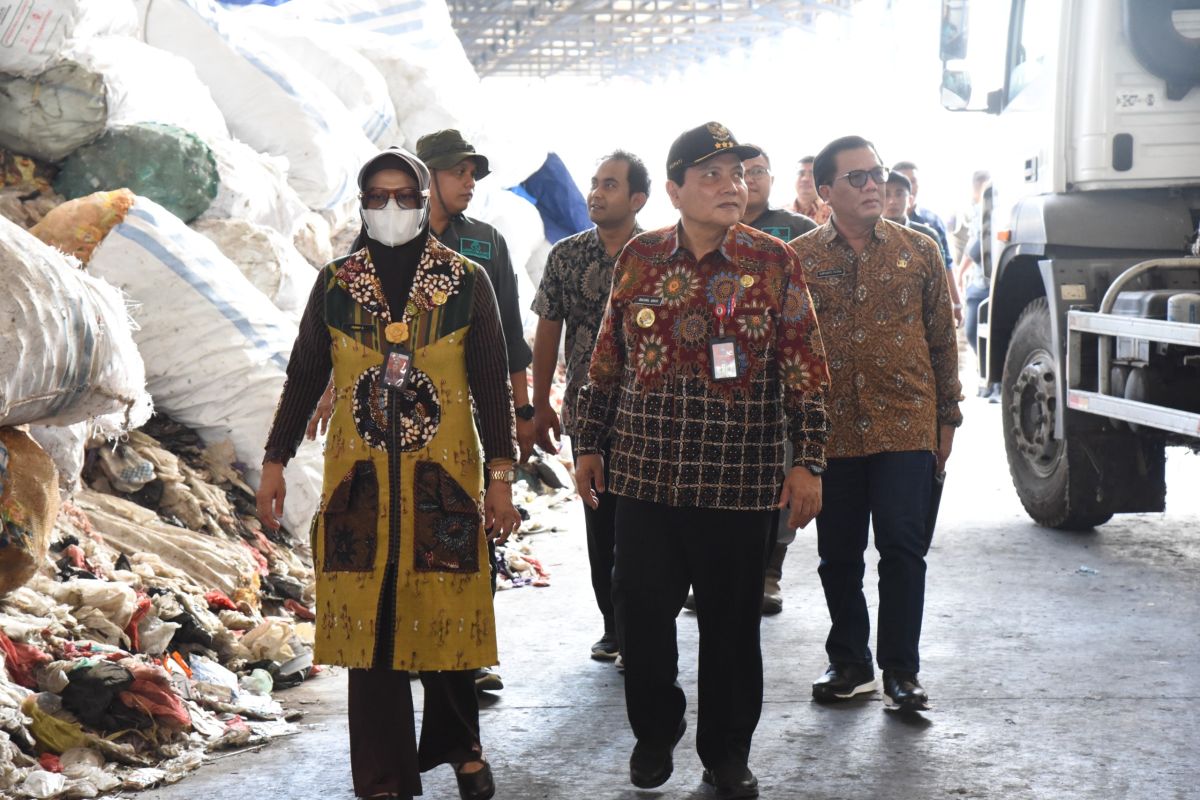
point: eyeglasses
(757, 172)
(376, 199)
(858, 177)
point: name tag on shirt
(474, 248)
(831, 273)
(784, 233)
(722, 358)
(397, 368)
(648, 300)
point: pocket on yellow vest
(351, 521)
(447, 522)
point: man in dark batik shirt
(573, 292)
(707, 358)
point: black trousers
(384, 755)
(601, 541)
(660, 551)
(890, 494)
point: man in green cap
(455, 166)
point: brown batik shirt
(679, 437)
(889, 339)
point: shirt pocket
(351, 521)
(447, 522)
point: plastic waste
(42, 784)
(169, 165)
(257, 682)
(28, 506)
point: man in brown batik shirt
(880, 293)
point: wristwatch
(815, 470)
(524, 412)
(507, 475)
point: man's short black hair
(900, 180)
(909, 165)
(825, 164)
(807, 160)
(639, 176)
(762, 153)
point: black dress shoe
(477, 785)
(844, 681)
(651, 765)
(903, 692)
(732, 784)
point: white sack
(521, 224)
(50, 115)
(267, 258)
(34, 32)
(68, 353)
(350, 76)
(254, 187)
(270, 101)
(146, 84)
(215, 347)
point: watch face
(524, 412)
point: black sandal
(477, 785)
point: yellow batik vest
(403, 577)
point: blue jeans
(889, 492)
(973, 297)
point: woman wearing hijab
(410, 332)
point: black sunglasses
(375, 199)
(858, 177)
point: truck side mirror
(956, 89)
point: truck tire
(1054, 481)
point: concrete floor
(1060, 666)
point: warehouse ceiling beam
(603, 38)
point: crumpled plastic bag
(154, 635)
(270, 640)
(41, 784)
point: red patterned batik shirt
(678, 436)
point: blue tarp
(556, 197)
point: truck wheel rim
(1031, 413)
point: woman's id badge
(397, 368)
(722, 358)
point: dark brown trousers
(384, 755)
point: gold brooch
(747, 281)
(439, 298)
(645, 318)
(396, 332)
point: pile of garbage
(157, 622)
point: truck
(1088, 234)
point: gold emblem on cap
(902, 263)
(747, 281)
(645, 318)
(719, 131)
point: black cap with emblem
(702, 143)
